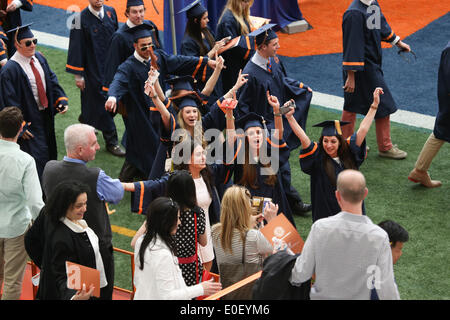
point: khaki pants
(429, 151)
(13, 260)
(382, 129)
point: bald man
(349, 254)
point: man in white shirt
(347, 252)
(21, 201)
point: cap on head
(134, 3)
(141, 31)
(194, 9)
(264, 34)
(184, 83)
(249, 120)
(22, 32)
(331, 127)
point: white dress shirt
(346, 252)
(24, 62)
(259, 60)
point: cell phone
(227, 39)
(285, 109)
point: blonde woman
(234, 22)
(237, 228)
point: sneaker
(393, 153)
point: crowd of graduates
(218, 121)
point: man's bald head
(351, 185)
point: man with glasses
(143, 121)
(121, 44)
(27, 81)
(89, 41)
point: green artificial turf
(423, 270)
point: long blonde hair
(240, 13)
(235, 212)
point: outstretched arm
(297, 129)
(367, 121)
(277, 116)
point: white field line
(321, 99)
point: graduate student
(325, 159)
(266, 73)
(28, 82)
(128, 86)
(234, 22)
(364, 27)
(88, 43)
(253, 165)
(199, 40)
(121, 43)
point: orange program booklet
(281, 229)
(78, 274)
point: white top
(20, 190)
(24, 62)
(83, 227)
(349, 255)
(259, 60)
(161, 277)
(204, 200)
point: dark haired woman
(191, 231)
(323, 161)
(157, 274)
(199, 41)
(60, 234)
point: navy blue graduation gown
(120, 48)
(190, 47)
(323, 199)
(14, 19)
(276, 192)
(362, 53)
(15, 90)
(89, 42)
(235, 59)
(442, 124)
(253, 96)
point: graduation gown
(362, 53)
(120, 48)
(323, 199)
(15, 90)
(277, 192)
(253, 96)
(143, 122)
(13, 20)
(234, 58)
(190, 47)
(89, 42)
(442, 124)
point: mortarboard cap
(193, 10)
(184, 83)
(264, 34)
(141, 31)
(249, 120)
(134, 3)
(23, 32)
(331, 127)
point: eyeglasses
(29, 42)
(407, 57)
(145, 48)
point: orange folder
(77, 275)
(280, 229)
